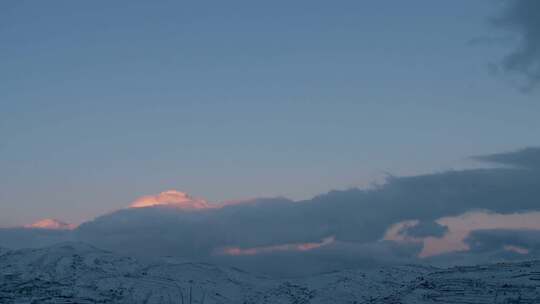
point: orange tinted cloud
(50, 224)
(236, 251)
(183, 200)
(171, 198)
(516, 249)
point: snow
(80, 273)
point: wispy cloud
(52, 224)
(276, 248)
(522, 17)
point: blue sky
(103, 102)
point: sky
(102, 103)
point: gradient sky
(103, 102)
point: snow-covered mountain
(79, 273)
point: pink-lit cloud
(172, 198)
(183, 200)
(51, 224)
(236, 251)
(460, 227)
(516, 249)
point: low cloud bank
(17, 238)
(430, 218)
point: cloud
(524, 158)
(516, 249)
(41, 233)
(494, 245)
(520, 241)
(16, 238)
(438, 211)
(460, 229)
(427, 229)
(51, 224)
(523, 18)
(336, 256)
(171, 198)
(424, 218)
(276, 248)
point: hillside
(79, 273)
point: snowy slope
(79, 273)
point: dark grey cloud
(523, 18)
(496, 239)
(524, 158)
(425, 229)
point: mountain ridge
(74, 272)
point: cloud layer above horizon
(455, 216)
(441, 213)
